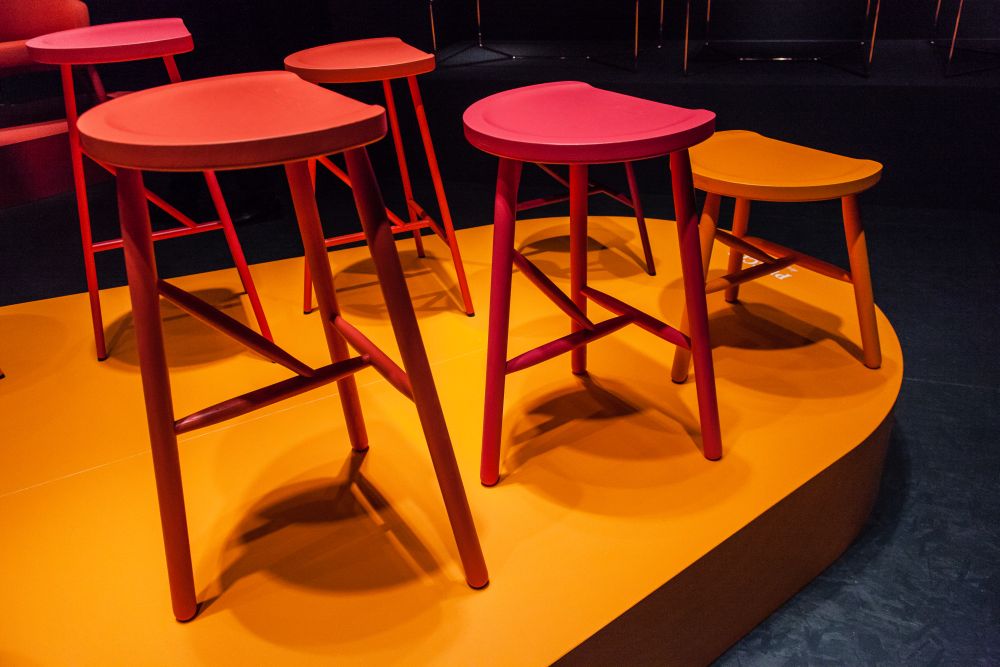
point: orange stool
(254, 120)
(124, 42)
(384, 59)
(747, 166)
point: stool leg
(706, 235)
(446, 221)
(307, 288)
(140, 263)
(640, 219)
(694, 298)
(411, 348)
(579, 188)
(741, 221)
(857, 252)
(504, 214)
(315, 249)
(83, 211)
(404, 170)
(236, 250)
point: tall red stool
(123, 42)
(576, 124)
(254, 120)
(384, 59)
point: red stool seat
(570, 121)
(225, 123)
(360, 60)
(112, 43)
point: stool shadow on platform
(253, 120)
(325, 535)
(188, 341)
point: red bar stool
(123, 42)
(576, 124)
(384, 59)
(254, 120)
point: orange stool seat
(739, 163)
(360, 61)
(748, 166)
(254, 120)
(228, 124)
(384, 59)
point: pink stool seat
(228, 122)
(572, 122)
(359, 61)
(112, 43)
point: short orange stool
(384, 59)
(255, 120)
(748, 166)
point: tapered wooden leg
(307, 285)
(640, 219)
(694, 298)
(236, 250)
(706, 235)
(578, 196)
(504, 213)
(404, 170)
(382, 246)
(319, 265)
(83, 211)
(741, 222)
(140, 264)
(857, 252)
(442, 200)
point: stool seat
(359, 61)
(572, 122)
(112, 42)
(228, 122)
(739, 163)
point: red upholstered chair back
(20, 20)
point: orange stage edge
(305, 553)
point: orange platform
(311, 555)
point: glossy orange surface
(227, 122)
(360, 60)
(308, 554)
(739, 163)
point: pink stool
(254, 120)
(576, 124)
(121, 42)
(384, 59)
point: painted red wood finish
(251, 120)
(576, 124)
(120, 42)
